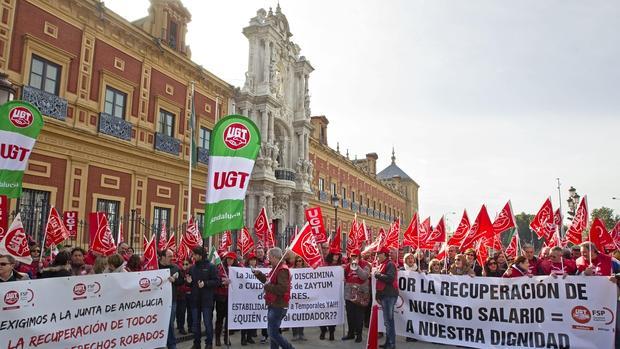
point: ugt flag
(234, 145)
(20, 124)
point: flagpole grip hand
(201, 284)
(188, 279)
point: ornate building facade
(296, 168)
(116, 101)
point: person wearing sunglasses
(491, 268)
(33, 269)
(7, 272)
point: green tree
(526, 235)
(607, 215)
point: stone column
(267, 62)
(271, 129)
(263, 125)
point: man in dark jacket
(165, 262)
(387, 293)
(203, 280)
(277, 294)
(7, 270)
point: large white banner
(317, 298)
(479, 312)
(119, 310)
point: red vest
(272, 277)
(515, 272)
(382, 269)
(350, 276)
(602, 264)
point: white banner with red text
(480, 312)
(118, 310)
(316, 298)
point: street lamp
(573, 202)
(7, 90)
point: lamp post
(335, 202)
(573, 202)
(7, 89)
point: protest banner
(316, 298)
(118, 310)
(537, 312)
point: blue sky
(484, 101)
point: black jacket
(180, 280)
(206, 272)
(56, 271)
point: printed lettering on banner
(317, 298)
(118, 310)
(538, 312)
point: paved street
(312, 334)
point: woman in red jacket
(519, 268)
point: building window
(111, 208)
(172, 34)
(344, 193)
(204, 137)
(166, 123)
(361, 200)
(115, 102)
(334, 188)
(352, 196)
(33, 207)
(161, 217)
(200, 220)
(44, 75)
(374, 205)
(321, 184)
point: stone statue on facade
(249, 82)
(260, 17)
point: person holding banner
(78, 267)
(556, 264)
(491, 268)
(7, 271)
(471, 261)
(461, 267)
(298, 332)
(165, 262)
(434, 267)
(277, 287)
(334, 257)
(356, 294)
(246, 335)
(528, 252)
(409, 263)
(60, 266)
(386, 294)
(592, 262)
(221, 299)
(203, 280)
(519, 268)
(33, 269)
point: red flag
(494, 243)
(512, 250)
(55, 231)
(438, 234)
(119, 239)
(336, 243)
(150, 256)
(261, 226)
(182, 251)
(542, 224)
(505, 220)
(4, 215)
(145, 242)
(425, 229)
(481, 253)
(163, 238)
(352, 243)
(103, 241)
(244, 241)
(411, 235)
(226, 241)
(362, 233)
(305, 247)
(15, 242)
(391, 240)
(192, 235)
(443, 251)
(171, 243)
(482, 228)
(71, 222)
(580, 222)
(314, 216)
(461, 232)
(615, 235)
(373, 329)
(599, 235)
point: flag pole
(191, 152)
(45, 235)
(558, 231)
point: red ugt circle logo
(236, 136)
(581, 314)
(20, 117)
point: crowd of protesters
(200, 287)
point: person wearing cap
(229, 259)
(386, 294)
(356, 294)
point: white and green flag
(234, 145)
(20, 124)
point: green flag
(234, 145)
(214, 257)
(20, 124)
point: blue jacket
(206, 272)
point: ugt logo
(21, 117)
(236, 136)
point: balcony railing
(362, 209)
(115, 127)
(203, 155)
(167, 144)
(47, 103)
(354, 206)
(322, 196)
(285, 174)
(345, 203)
